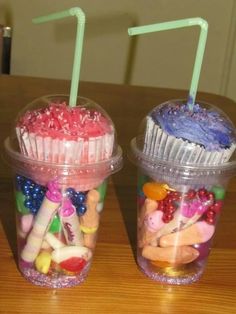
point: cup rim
(114, 163)
(154, 163)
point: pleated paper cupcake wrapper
(159, 144)
(78, 152)
(64, 152)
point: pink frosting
(53, 193)
(63, 122)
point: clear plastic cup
(179, 205)
(59, 192)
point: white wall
(161, 59)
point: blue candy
(81, 209)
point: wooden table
(114, 284)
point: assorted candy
(57, 231)
(175, 225)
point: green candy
(142, 179)
(102, 189)
(219, 192)
(20, 199)
(55, 225)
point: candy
(55, 225)
(33, 193)
(174, 255)
(217, 206)
(42, 262)
(78, 200)
(26, 222)
(45, 245)
(70, 223)
(81, 209)
(154, 191)
(148, 207)
(53, 241)
(100, 207)
(48, 208)
(61, 254)
(219, 192)
(153, 221)
(20, 200)
(73, 264)
(102, 190)
(149, 221)
(197, 233)
(142, 179)
(89, 222)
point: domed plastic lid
(173, 135)
(51, 138)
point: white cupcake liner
(79, 152)
(159, 144)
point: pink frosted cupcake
(66, 135)
(53, 140)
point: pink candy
(153, 221)
(189, 209)
(67, 208)
(53, 193)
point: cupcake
(76, 145)
(61, 134)
(201, 136)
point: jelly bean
(20, 199)
(42, 262)
(219, 192)
(102, 188)
(154, 191)
(55, 225)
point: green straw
(77, 12)
(200, 49)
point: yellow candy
(166, 186)
(154, 191)
(43, 261)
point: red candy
(170, 209)
(218, 206)
(210, 221)
(202, 192)
(210, 214)
(210, 196)
(191, 194)
(73, 264)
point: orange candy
(154, 191)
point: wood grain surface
(114, 284)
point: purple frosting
(201, 126)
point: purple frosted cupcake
(202, 136)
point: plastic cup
(179, 205)
(59, 199)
